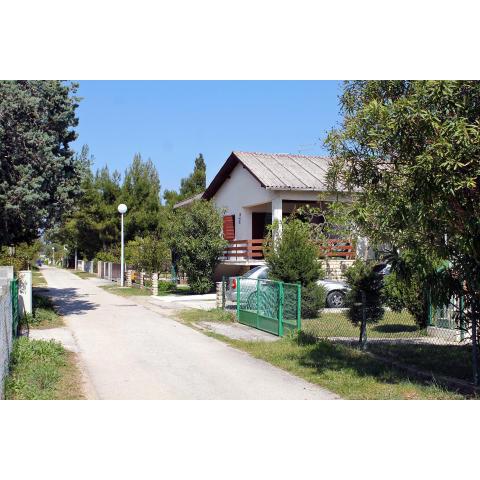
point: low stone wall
(335, 268)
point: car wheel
(336, 299)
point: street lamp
(122, 209)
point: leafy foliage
(412, 147)
(22, 256)
(292, 257)
(365, 294)
(39, 174)
(313, 300)
(195, 236)
(149, 254)
(195, 183)
(94, 226)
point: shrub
(362, 278)
(194, 235)
(313, 299)
(166, 286)
(293, 258)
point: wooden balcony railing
(244, 250)
(253, 249)
(337, 247)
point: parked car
(336, 290)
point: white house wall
(237, 193)
(241, 191)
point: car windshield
(253, 272)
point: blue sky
(172, 121)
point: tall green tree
(141, 193)
(195, 183)
(194, 235)
(39, 174)
(413, 148)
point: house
(255, 189)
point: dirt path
(131, 352)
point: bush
(194, 234)
(313, 300)
(294, 256)
(166, 286)
(361, 278)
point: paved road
(131, 352)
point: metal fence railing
(8, 298)
(268, 305)
(437, 343)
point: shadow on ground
(69, 301)
(446, 360)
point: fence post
(129, 278)
(224, 291)
(299, 307)
(238, 298)
(280, 309)
(155, 284)
(218, 294)
(363, 327)
(25, 291)
(142, 279)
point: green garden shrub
(313, 300)
(361, 277)
(293, 258)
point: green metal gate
(15, 312)
(269, 305)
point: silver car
(336, 290)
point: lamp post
(122, 209)
(53, 256)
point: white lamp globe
(122, 208)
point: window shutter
(229, 227)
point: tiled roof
(284, 171)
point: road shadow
(69, 301)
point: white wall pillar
(277, 213)
(25, 291)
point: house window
(229, 227)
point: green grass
(448, 360)
(136, 291)
(350, 373)
(84, 275)
(214, 315)
(337, 324)
(44, 313)
(38, 280)
(126, 291)
(41, 370)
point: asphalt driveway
(130, 352)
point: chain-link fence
(6, 337)
(439, 345)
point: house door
(260, 221)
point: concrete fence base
(25, 292)
(155, 284)
(218, 297)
